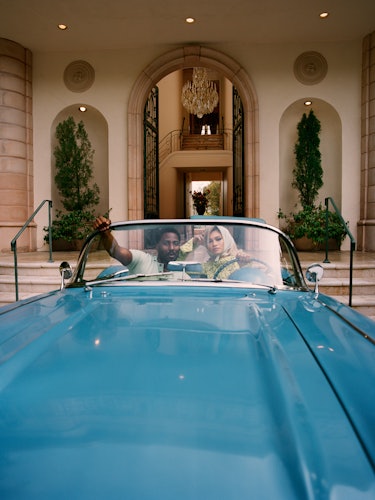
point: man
(137, 261)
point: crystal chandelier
(199, 96)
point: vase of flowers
(200, 200)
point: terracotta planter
(61, 245)
(305, 244)
(332, 245)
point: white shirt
(144, 263)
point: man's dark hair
(166, 229)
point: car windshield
(202, 250)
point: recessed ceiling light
(62, 27)
(190, 20)
(323, 15)
(82, 109)
(307, 103)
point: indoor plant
(79, 194)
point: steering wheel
(262, 273)
(264, 266)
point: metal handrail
(13, 243)
(352, 243)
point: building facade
(274, 81)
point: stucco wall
(270, 67)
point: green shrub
(71, 226)
(311, 222)
(74, 173)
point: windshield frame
(78, 278)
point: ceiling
(122, 24)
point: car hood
(183, 392)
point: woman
(224, 256)
(223, 252)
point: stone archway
(187, 57)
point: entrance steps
(36, 275)
(336, 278)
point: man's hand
(198, 239)
(102, 224)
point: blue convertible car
(187, 359)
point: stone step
(341, 270)
(363, 272)
(30, 284)
(340, 286)
(37, 275)
(31, 269)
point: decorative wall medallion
(310, 68)
(79, 76)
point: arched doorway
(186, 57)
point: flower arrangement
(200, 200)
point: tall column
(16, 149)
(366, 225)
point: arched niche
(97, 130)
(188, 57)
(330, 148)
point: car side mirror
(65, 272)
(314, 274)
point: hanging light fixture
(199, 96)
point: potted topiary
(307, 227)
(74, 172)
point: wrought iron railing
(352, 242)
(169, 144)
(13, 243)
